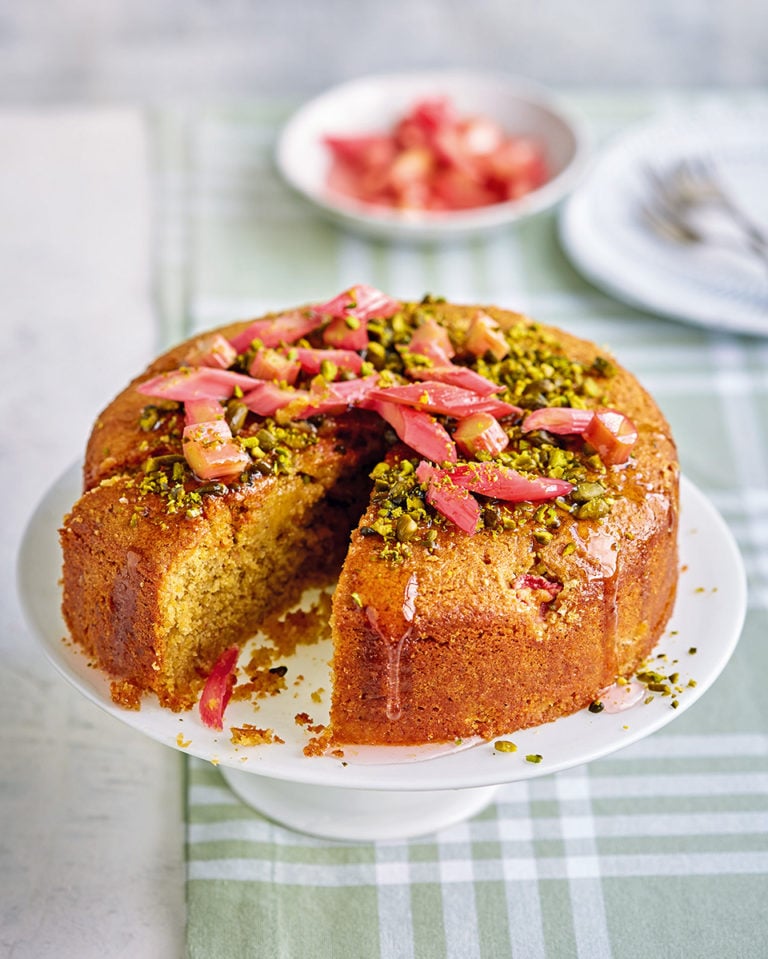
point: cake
(497, 499)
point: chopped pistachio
(594, 508)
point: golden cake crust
(454, 640)
(483, 655)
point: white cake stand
(396, 792)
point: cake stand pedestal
(336, 812)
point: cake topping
(610, 432)
(212, 453)
(269, 364)
(218, 688)
(445, 399)
(194, 383)
(480, 433)
(454, 502)
(417, 429)
(455, 376)
(432, 341)
(484, 336)
(360, 302)
(212, 349)
(285, 328)
(448, 489)
(454, 397)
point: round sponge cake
(510, 490)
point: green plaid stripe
(659, 849)
(539, 873)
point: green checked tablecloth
(658, 850)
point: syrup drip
(600, 561)
(611, 617)
(394, 707)
(616, 698)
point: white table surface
(91, 852)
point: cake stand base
(332, 812)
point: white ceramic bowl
(374, 103)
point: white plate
(603, 232)
(709, 614)
(374, 103)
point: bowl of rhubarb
(431, 156)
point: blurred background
(53, 50)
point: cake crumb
(125, 694)
(300, 627)
(263, 683)
(305, 720)
(181, 742)
(261, 658)
(250, 735)
(318, 746)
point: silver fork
(692, 185)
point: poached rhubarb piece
(417, 429)
(613, 435)
(265, 398)
(313, 360)
(446, 488)
(501, 482)
(362, 302)
(484, 336)
(480, 433)
(444, 398)
(338, 397)
(346, 333)
(432, 340)
(610, 432)
(278, 330)
(212, 453)
(190, 383)
(349, 313)
(270, 364)
(218, 689)
(455, 376)
(202, 411)
(456, 504)
(560, 420)
(211, 349)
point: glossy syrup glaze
(395, 646)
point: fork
(692, 185)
